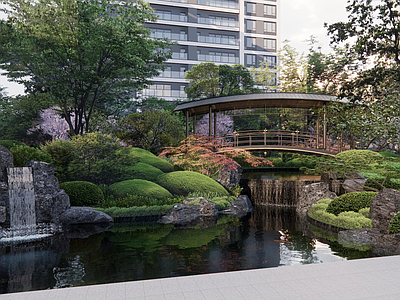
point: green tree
(152, 130)
(84, 54)
(265, 76)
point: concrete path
(373, 278)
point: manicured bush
(184, 182)
(139, 187)
(142, 171)
(364, 212)
(350, 202)
(10, 143)
(361, 157)
(82, 193)
(394, 226)
(388, 153)
(136, 211)
(137, 200)
(22, 154)
(137, 155)
(390, 183)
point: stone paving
(373, 278)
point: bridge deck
(279, 148)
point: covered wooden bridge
(309, 142)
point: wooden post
(215, 124)
(210, 121)
(187, 122)
(317, 133)
(324, 128)
(194, 124)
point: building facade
(218, 31)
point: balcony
(218, 58)
(179, 55)
(171, 17)
(217, 40)
(172, 74)
(218, 22)
(164, 93)
(219, 3)
(179, 1)
(169, 35)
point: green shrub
(394, 226)
(82, 193)
(388, 153)
(142, 171)
(364, 212)
(390, 183)
(140, 155)
(136, 211)
(184, 182)
(359, 157)
(137, 200)
(139, 187)
(221, 202)
(10, 143)
(350, 202)
(22, 154)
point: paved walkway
(374, 278)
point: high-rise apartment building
(219, 31)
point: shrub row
(136, 211)
(350, 202)
(137, 200)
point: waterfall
(22, 198)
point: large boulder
(311, 194)
(240, 207)
(84, 215)
(354, 184)
(6, 161)
(181, 215)
(207, 208)
(383, 208)
(359, 237)
(230, 177)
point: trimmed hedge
(185, 182)
(143, 171)
(137, 200)
(394, 226)
(361, 157)
(350, 202)
(140, 155)
(390, 183)
(138, 187)
(82, 193)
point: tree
(152, 130)
(207, 80)
(224, 124)
(85, 54)
(265, 76)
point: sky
(299, 19)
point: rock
(353, 184)
(182, 214)
(387, 244)
(3, 215)
(230, 178)
(84, 215)
(311, 194)
(6, 161)
(60, 204)
(188, 200)
(359, 237)
(240, 207)
(208, 209)
(383, 208)
(83, 231)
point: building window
(250, 26)
(270, 45)
(250, 42)
(270, 28)
(270, 11)
(271, 60)
(250, 8)
(251, 59)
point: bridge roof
(285, 100)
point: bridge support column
(187, 123)
(194, 124)
(317, 141)
(324, 128)
(209, 121)
(215, 124)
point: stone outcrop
(84, 215)
(230, 178)
(354, 185)
(182, 214)
(51, 201)
(359, 237)
(311, 194)
(240, 207)
(383, 208)
(6, 161)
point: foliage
(222, 202)
(236, 190)
(364, 211)
(394, 226)
(350, 202)
(388, 153)
(200, 154)
(136, 211)
(152, 130)
(206, 195)
(377, 183)
(265, 75)
(82, 193)
(361, 157)
(142, 171)
(194, 202)
(85, 54)
(10, 143)
(135, 155)
(224, 124)
(347, 220)
(138, 200)
(184, 182)
(22, 154)
(139, 187)
(208, 80)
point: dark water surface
(126, 252)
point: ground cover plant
(136, 211)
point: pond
(126, 252)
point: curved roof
(286, 100)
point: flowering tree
(224, 124)
(201, 154)
(52, 123)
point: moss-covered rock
(185, 182)
(139, 187)
(82, 193)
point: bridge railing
(284, 138)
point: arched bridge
(316, 141)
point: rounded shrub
(390, 183)
(394, 226)
(140, 155)
(185, 182)
(143, 171)
(221, 202)
(138, 187)
(360, 157)
(22, 154)
(350, 202)
(82, 193)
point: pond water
(126, 252)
